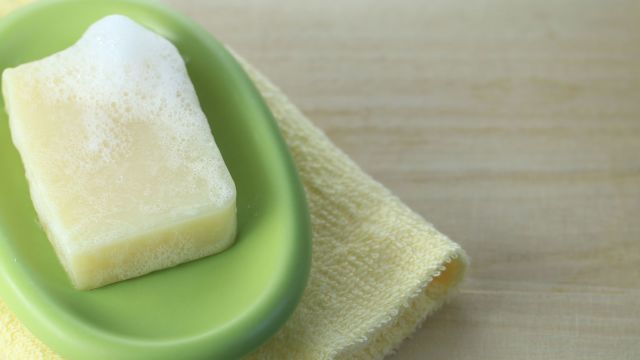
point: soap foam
(120, 76)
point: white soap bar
(123, 170)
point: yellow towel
(378, 268)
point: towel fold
(378, 268)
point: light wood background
(513, 126)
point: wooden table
(513, 126)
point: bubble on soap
(126, 81)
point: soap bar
(123, 170)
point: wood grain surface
(513, 126)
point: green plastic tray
(219, 307)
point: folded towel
(378, 268)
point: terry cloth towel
(378, 268)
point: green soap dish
(219, 307)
